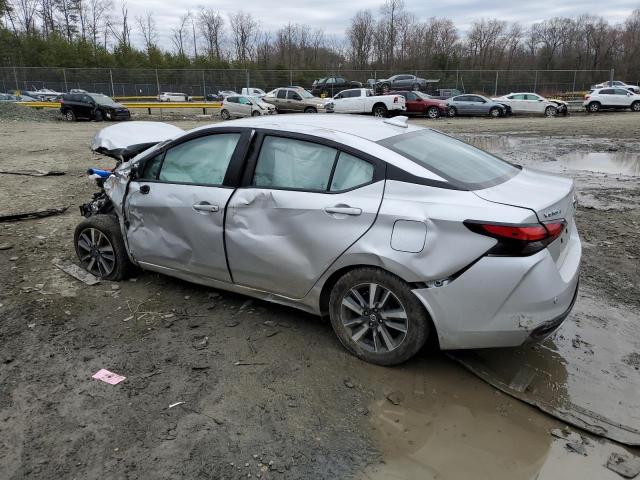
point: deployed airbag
(124, 141)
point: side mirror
(249, 103)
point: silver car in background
(394, 231)
(239, 106)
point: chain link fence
(121, 82)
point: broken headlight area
(100, 203)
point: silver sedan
(394, 231)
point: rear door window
(201, 161)
(282, 94)
(351, 172)
(463, 165)
(294, 164)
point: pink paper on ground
(108, 377)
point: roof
(324, 125)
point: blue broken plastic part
(100, 173)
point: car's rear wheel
(379, 111)
(495, 112)
(70, 116)
(551, 111)
(635, 106)
(452, 112)
(310, 110)
(225, 114)
(594, 107)
(100, 248)
(377, 317)
(433, 112)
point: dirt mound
(11, 112)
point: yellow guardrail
(151, 97)
(147, 105)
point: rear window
(461, 164)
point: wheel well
(325, 295)
(379, 104)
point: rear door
(281, 100)
(303, 204)
(607, 97)
(176, 209)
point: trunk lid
(551, 197)
(124, 141)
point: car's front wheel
(255, 113)
(433, 112)
(100, 248)
(495, 112)
(377, 317)
(310, 110)
(69, 115)
(451, 112)
(98, 117)
(551, 111)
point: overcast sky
(333, 15)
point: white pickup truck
(363, 100)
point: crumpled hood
(123, 141)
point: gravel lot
(268, 391)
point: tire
(255, 114)
(594, 107)
(385, 86)
(432, 112)
(452, 112)
(225, 114)
(379, 110)
(310, 110)
(98, 117)
(551, 112)
(70, 116)
(635, 106)
(381, 340)
(495, 112)
(100, 248)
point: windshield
(304, 94)
(461, 164)
(423, 95)
(102, 99)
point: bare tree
(244, 31)
(360, 34)
(97, 20)
(23, 15)
(121, 29)
(149, 30)
(179, 35)
(212, 29)
(390, 11)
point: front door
(303, 206)
(176, 209)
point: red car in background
(419, 103)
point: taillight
(518, 239)
(587, 97)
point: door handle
(344, 210)
(206, 207)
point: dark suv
(92, 106)
(329, 86)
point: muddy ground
(268, 391)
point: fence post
(535, 82)
(204, 87)
(573, 89)
(290, 78)
(495, 88)
(248, 78)
(64, 75)
(113, 93)
(457, 77)
(157, 82)
(15, 76)
(611, 77)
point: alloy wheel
(433, 113)
(375, 318)
(96, 252)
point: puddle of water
(620, 163)
(448, 426)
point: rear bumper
(504, 301)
